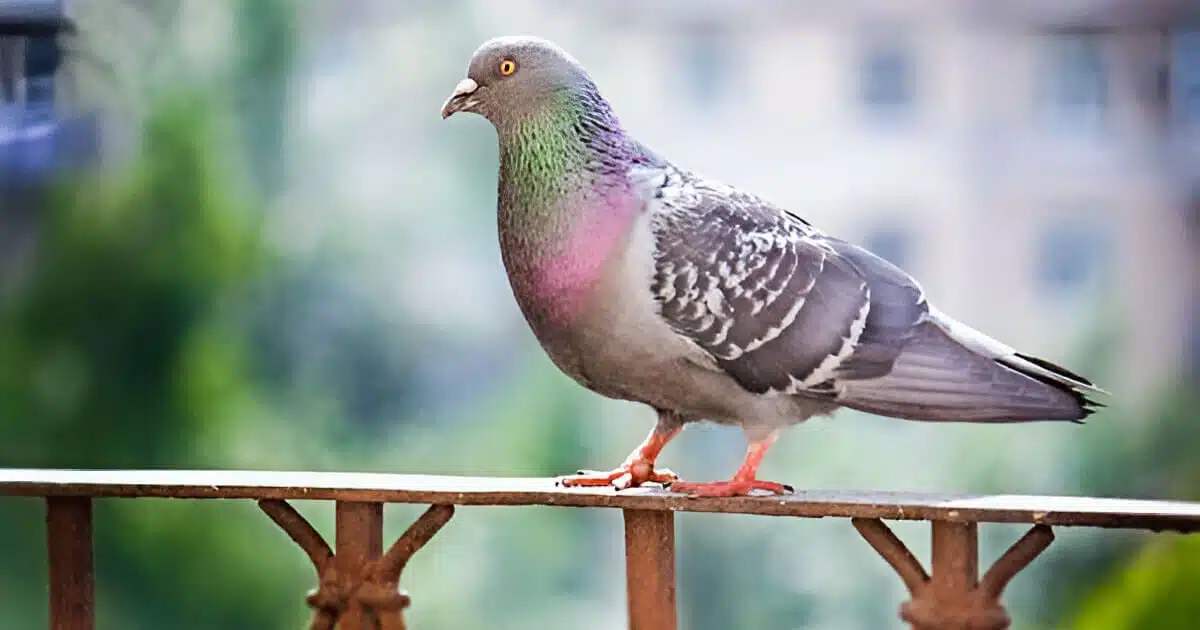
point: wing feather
(784, 309)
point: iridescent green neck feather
(540, 157)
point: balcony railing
(357, 580)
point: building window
(12, 75)
(707, 60)
(1185, 78)
(29, 51)
(27, 69)
(886, 77)
(1073, 259)
(1075, 82)
(891, 243)
(32, 138)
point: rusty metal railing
(357, 582)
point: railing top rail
(392, 488)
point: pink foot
(630, 475)
(731, 488)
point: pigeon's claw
(629, 475)
(639, 466)
(731, 488)
(744, 481)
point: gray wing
(784, 308)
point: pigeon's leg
(639, 466)
(744, 481)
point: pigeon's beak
(460, 100)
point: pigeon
(647, 282)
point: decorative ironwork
(954, 597)
(349, 587)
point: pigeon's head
(512, 77)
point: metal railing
(357, 580)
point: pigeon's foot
(744, 481)
(629, 475)
(639, 466)
(732, 488)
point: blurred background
(236, 233)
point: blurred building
(1033, 163)
(37, 138)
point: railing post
(69, 546)
(947, 601)
(359, 541)
(650, 569)
(955, 560)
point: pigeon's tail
(951, 372)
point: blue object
(34, 141)
(34, 144)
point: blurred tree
(1156, 590)
(267, 32)
(128, 276)
(729, 581)
(121, 352)
(1157, 585)
(1122, 580)
(320, 340)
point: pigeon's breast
(621, 347)
(602, 326)
(555, 258)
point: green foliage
(1170, 442)
(1158, 589)
(122, 308)
(121, 352)
(260, 83)
(729, 581)
(1156, 585)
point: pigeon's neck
(544, 155)
(565, 203)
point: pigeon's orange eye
(507, 67)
